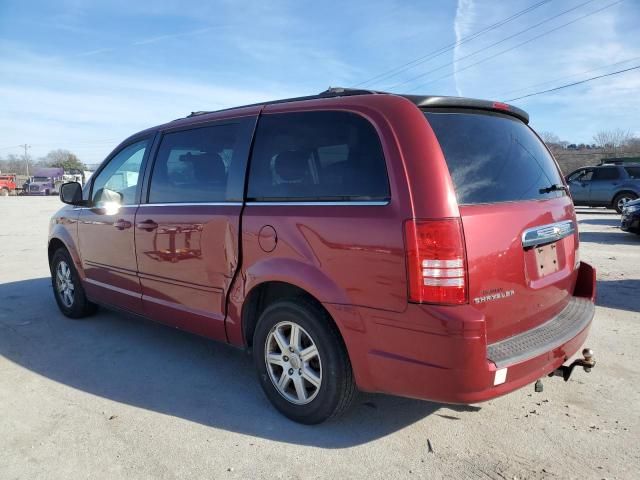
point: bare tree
(553, 141)
(612, 140)
(549, 138)
(633, 145)
(15, 164)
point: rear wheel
(621, 199)
(4, 192)
(302, 363)
(67, 287)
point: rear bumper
(440, 353)
(630, 222)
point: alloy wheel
(293, 362)
(64, 284)
(622, 201)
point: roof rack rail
(328, 93)
(421, 101)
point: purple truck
(45, 181)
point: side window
(586, 176)
(634, 172)
(118, 181)
(200, 165)
(606, 173)
(575, 176)
(317, 156)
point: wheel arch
(266, 293)
(59, 241)
(624, 190)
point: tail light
(501, 106)
(436, 261)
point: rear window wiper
(556, 187)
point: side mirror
(71, 194)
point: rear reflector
(436, 261)
(501, 376)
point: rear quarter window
(633, 172)
(494, 157)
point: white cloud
(573, 53)
(90, 111)
(462, 24)
(171, 36)
(96, 51)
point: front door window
(118, 182)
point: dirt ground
(113, 397)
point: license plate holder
(546, 259)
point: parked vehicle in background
(608, 186)
(8, 184)
(45, 181)
(418, 246)
(630, 220)
(86, 176)
(69, 177)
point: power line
(548, 82)
(436, 53)
(481, 50)
(574, 83)
(517, 45)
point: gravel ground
(113, 397)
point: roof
(421, 101)
(619, 160)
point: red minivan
(354, 240)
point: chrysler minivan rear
(522, 244)
(498, 296)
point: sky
(84, 75)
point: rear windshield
(494, 158)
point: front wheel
(302, 363)
(67, 287)
(621, 199)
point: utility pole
(26, 158)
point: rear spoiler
(471, 103)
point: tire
(67, 287)
(332, 389)
(4, 192)
(622, 198)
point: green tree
(64, 159)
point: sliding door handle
(147, 225)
